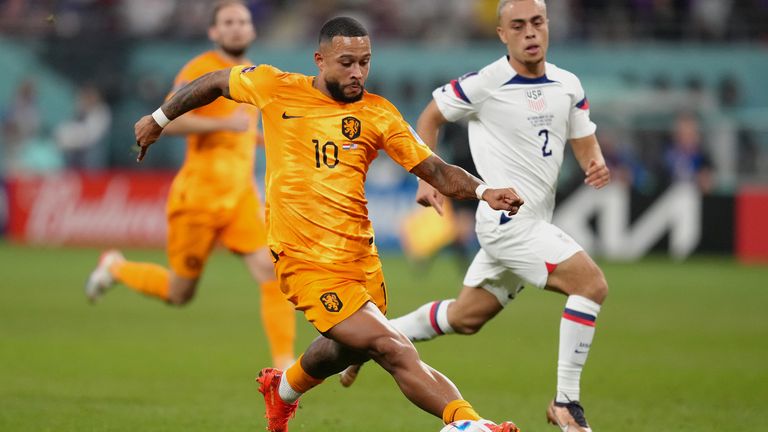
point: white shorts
(523, 250)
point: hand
(239, 121)
(503, 199)
(597, 174)
(428, 196)
(147, 132)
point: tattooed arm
(454, 182)
(199, 92)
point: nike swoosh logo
(580, 352)
(504, 219)
(287, 117)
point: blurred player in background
(521, 112)
(213, 197)
(321, 135)
(423, 232)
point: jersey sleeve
(580, 125)
(460, 97)
(255, 85)
(403, 144)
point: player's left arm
(199, 92)
(455, 182)
(590, 158)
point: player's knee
(181, 292)
(598, 288)
(180, 298)
(392, 350)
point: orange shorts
(329, 293)
(192, 234)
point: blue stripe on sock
(581, 315)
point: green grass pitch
(679, 347)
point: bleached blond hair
(504, 3)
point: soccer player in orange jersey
(213, 197)
(321, 135)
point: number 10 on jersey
(324, 150)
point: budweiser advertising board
(93, 209)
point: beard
(234, 51)
(337, 93)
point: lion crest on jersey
(331, 302)
(536, 101)
(350, 127)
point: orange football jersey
(218, 167)
(318, 152)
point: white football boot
(101, 279)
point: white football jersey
(518, 128)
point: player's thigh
(245, 231)
(190, 240)
(532, 249)
(327, 294)
(490, 275)
(361, 329)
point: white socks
(577, 328)
(426, 322)
(286, 392)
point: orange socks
(459, 410)
(146, 278)
(279, 322)
(299, 380)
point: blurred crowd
(679, 144)
(78, 143)
(450, 21)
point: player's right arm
(455, 182)
(428, 128)
(199, 92)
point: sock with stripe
(279, 322)
(577, 328)
(147, 278)
(295, 382)
(459, 410)
(426, 322)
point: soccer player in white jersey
(521, 112)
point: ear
(502, 35)
(212, 34)
(319, 61)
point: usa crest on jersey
(536, 101)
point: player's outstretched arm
(199, 92)
(454, 182)
(590, 157)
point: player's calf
(464, 323)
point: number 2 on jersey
(544, 150)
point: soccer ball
(466, 426)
